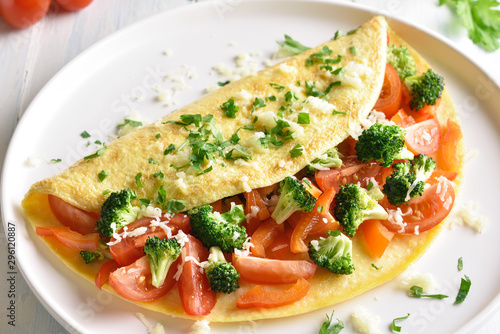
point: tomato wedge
(69, 238)
(449, 147)
(314, 220)
(78, 220)
(129, 248)
(352, 171)
(423, 212)
(402, 119)
(423, 137)
(133, 282)
(257, 297)
(390, 96)
(106, 269)
(254, 202)
(265, 235)
(194, 289)
(269, 271)
(434, 178)
(377, 236)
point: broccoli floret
(424, 89)
(402, 61)
(333, 253)
(331, 158)
(382, 143)
(408, 179)
(221, 274)
(215, 229)
(91, 256)
(161, 254)
(293, 197)
(117, 210)
(353, 205)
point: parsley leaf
(85, 134)
(170, 148)
(276, 86)
(375, 267)
(55, 160)
(291, 47)
(396, 328)
(132, 123)
(98, 153)
(303, 118)
(152, 161)
(230, 109)
(480, 19)
(174, 205)
(258, 103)
(221, 84)
(329, 327)
(465, 284)
(158, 136)
(417, 292)
(138, 182)
(460, 264)
(145, 201)
(102, 175)
(297, 151)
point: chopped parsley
(174, 205)
(170, 148)
(230, 109)
(152, 161)
(375, 267)
(291, 46)
(352, 50)
(159, 175)
(98, 153)
(319, 57)
(329, 327)
(102, 175)
(158, 136)
(369, 185)
(85, 134)
(303, 118)
(335, 112)
(105, 192)
(221, 84)
(297, 151)
(258, 103)
(311, 89)
(145, 201)
(132, 123)
(270, 98)
(460, 264)
(338, 34)
(138, 182)
(278, 87)
(465, 284)
(396, 328)
(418, 292)
(291, 96)
(55, 160)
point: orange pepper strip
(449, 147)
(265, 235)
(253, 199)
(257, 297)
(377, 236)
(70, 238)
(311, 188)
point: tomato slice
(377, 236)
(314, 220)
(390, 96)
(449, 147)
(73, 5)
(402, 119)
(352, 171)
(424, 212)
(78, 220)
(133, 282)
(265, 235)
(23, 13)
(423, 137)
(194, 289)
(254, 200)
(69, 238)
(434, 178)
(257, 297)
(270, 271)
(129, 248)
(106, 269)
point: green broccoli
(221, 274)
(408, 179)
(161, 254)
(331, 158)
(402, 61)
(215, 229)
(424, 89)
(117, 210)
(293, 197)
(91, 256)
(333, 253)
(353, 205)
(382, 143)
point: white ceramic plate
(105, 83)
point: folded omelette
(335, 112)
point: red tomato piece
(434, 178)
(78, 220)
(129, 249)
(390, 96)
(257, 297)
(402, 119)
(73, 5)
(69, 238)
(23, 13)
(265, 235)
(106, 269)
(377, 236)
(424, 212)
(196, 296)
(423, 137)
(316, 219)
(270, 271)
(133, 282)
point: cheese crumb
(364, 321)
(200, 327)
(287, 68)
(467, 215)
(33, 161)
(424, 280)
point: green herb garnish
(352, 49)
(221, 84)
(102, 175)
(138, 182)
(303, 118)
(460, 264)
(85, 134)
(55, 160)
(396, 328)
(174, 205)
(230, 109)
(145, 201)
(132, 123)
(465, 284)
(98, 153)
(329, 327)
(297, 151)
(170, 148)
(418, 292)
(278, 87)
(291, 46)
(152, 161)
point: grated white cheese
(287, 68)
(235, 236)
(33, 162)
(245, 251)
(244, 95)
(466, 214)
(424, 280)
(315, 244)
(181, 238)
(354, 73)
(396, 217)
(318, 105)
(211, 88)
(149, 211)
(168, 52)
(200, 327)
(364, 321)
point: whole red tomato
(23, 13)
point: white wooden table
(30, 57)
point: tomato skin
(106, 269)
(196, 296)
(269, 271)
(253, 199)
(390, 96)
(69, 238)
(78, 220)
(133, 282)
(427, 210)
(423, 137)
(73, 5)
(257, 297)
(23, 13)
(129, 249)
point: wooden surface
(30, 57)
